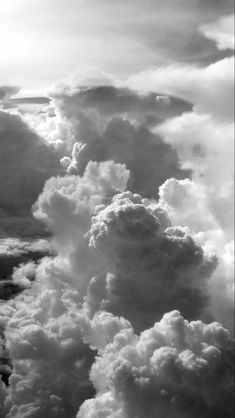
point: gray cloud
(147, 270)
(7, 91)
(26, 162)
(136, 266)
(158, 26)
(114, 124)
(62, 349)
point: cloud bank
(128, 311)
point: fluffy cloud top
(192, 205)
(147, 269)
(171, 369)
(43, 325)
(55, 319)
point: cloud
(203, 139)
(43, 325)
(7, 91)
(80, 334)
(221, 31)
(209, 88)
(49, 323)
(50, 361)
(170, 369)
(113, 123)
(137, 267)
(66, 205)
(25, 227)
(78, 195)
(190, 203)
(121, 37)
(146, 271)
(204, 145)
(200, 213)
(26, 162)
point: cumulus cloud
(72, 199)
(120, 37)
(204, 145)
(80, 334)
(147, 269)
(50, 361)
(192, 205)
(57, 320)
(113, 123)
(135, 265)
(42, 326)
(171, 369)
(17, 264)
(203, 139)
(205, 203)
(66, 205)
(83, 105)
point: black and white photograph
(116, 208)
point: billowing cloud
(55, 320)
(66, 206)
(42, 326)
(203, 139)
(190, 204)
(147, 268)
(50, 363)
(113, 123)
(169, 370)
(135, 265)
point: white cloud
(221, 31)
(210, 88)
(82, 337)
(169, 370)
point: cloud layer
(117, 297)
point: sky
(116, 209)
(43, 41)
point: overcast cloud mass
(116, 209)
